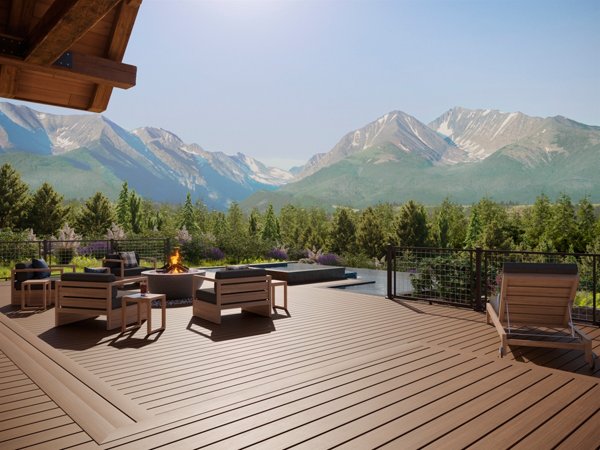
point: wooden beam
(8, 81)
(65, 22)
(121, 32)
(85, 68)
(21, 12)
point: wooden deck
(343, 369)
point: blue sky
(283, 80)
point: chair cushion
(242, 273)
(129, 258)
(540, 268)
(39, 264)
(206, 295)
(23, 276)
(96, 270)
(88, 277)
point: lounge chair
(34, 270)
(534, 308)
(126, 264)
(84, 296)
(248, 289)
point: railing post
(477, 306)
(390, 256)
(595, 288)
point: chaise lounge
(534, 308)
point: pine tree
(124, 208)
(370, 235)
(14, 198)
(96, 216)
(411, 227)
(188, 215)
(254, 223)
(342, 237)
(135, 212)
(586, 223)
(537, 222)
(474, 230)
(562, 232)
(449, 225)
(271, 232)
(46, 213)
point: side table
(146, 299)
(46, 285)
(274, 284)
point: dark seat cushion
(207, 295)
(131, 272)
(242, 273)
(540, 268)
(23, 276)
(88, 277)
(96, 270)
(39, 264)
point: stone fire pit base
(174, 285)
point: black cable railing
(469, 277)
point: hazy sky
(282, 80)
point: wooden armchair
(25, 271)
(119, 266)
(248, 289)
(82, 296)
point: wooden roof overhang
(66, 52)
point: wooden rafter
(116, 50)
(65, 22)
(19, 16)
(84, 67)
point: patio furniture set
(533, 307)
(113, 291)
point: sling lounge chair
(534, 308)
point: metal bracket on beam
(66, 60)
(12, 47)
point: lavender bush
(94, 249)
(278, 253)
(329, 259)
(215, 254)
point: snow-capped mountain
(155, 162)
(397, 128)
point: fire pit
(174, 279)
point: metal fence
(66, 252)
(469, 277)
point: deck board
(344, 369)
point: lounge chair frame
(542, 302)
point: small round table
(147, 299)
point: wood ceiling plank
(21, 12)
(65, 22)
(121, 33)
(8, 81)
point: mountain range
(82, 154)
(464, 154)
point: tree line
(355, 236)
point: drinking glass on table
(143, 288)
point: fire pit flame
(174, 265)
